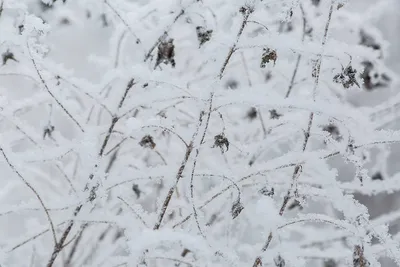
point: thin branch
(34, 192)
(233, 47)
(49, 91)
(134, 212)
(299, 55)
(138, 41)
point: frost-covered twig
(34, 192)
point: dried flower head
(220, 141)
(147, 141)
(333, 131)
(273, 114)
(8, 55)
(266, 191)
(267, 56)
(347, 77)
(47, 131)
(203, 35)
(166, 53)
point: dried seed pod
(347, 77)
(269, 192)
(47, 131)
(377, 176)
(147, 141)
(267, 56)
(237, 208)
(136, 190)
(333, 130)
(279, 261)
(231, 84)
(203, 35)
(273, 114)
(220, 141)
(8, 55)
(295, 204)
(252, 113)
(166, 53)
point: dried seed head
(232, 84)
(252, 113)
(147, 141)
(347, 77)
(279, 261)
(136, 190)
(267, 56)
(295, 204)
(203, 35)
(269, 192)
(333, 131)
(372, 78)
(47, 131)
(220, 141)
(377, 176)
(273, 114)
(166, 53)
(330, 263)
(237, 208)
(8, 55)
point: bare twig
(34, 192)
(138, 41)
(50, 92)
(298, 168)
(92, 195)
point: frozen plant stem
(297, 170)
(123, 21)
(233, 47)
(92, 196)
(296, 68)
(34, 192)
(50, 92)
(189, 148)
